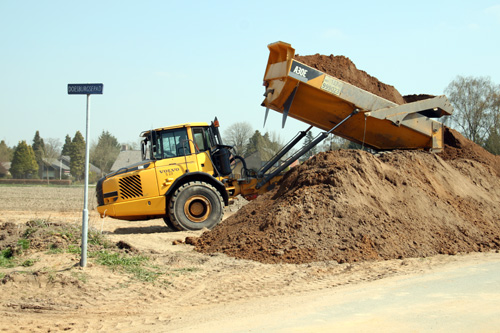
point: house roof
(6, 165)
(55, 163)
(125, 158)
(63, 163)
(3, 169)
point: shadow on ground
(142, 230)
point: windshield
(171, 143)
(158, 145)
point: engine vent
(130, 187)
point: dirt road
(217, 292)
(460, 296)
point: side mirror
(154, 137)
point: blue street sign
(85, 88)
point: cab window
(173, 143)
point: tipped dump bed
(323, 101)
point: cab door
(203, 143)
(174, 157)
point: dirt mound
(457, 146)
(344, 69)
(40, 235)
(352, 206)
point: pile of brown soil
(350, 206)
(344, 69)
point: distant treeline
(35, 181)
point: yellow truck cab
(180, 179)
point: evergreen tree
(77, 156)
(253, 143)
(39, 150)
(66, 149)
(38, 147)
(492, 143)
(104, 153)
(23, 162)
(313, 151)
(6, 153)
(269, 146)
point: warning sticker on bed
(332, 85)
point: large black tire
(169, 223)
(195, 205)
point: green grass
(7, 258)
(135, 265)
(75, 249)
(80, 276)
(180, 271)
(66, 239)
(24, 243)
(28, 262)
(95, 237)
(54, 249)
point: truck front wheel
(195, 205)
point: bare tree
(473, 99)
(52, 148)
(238, 135)
(492, 143)
(334, 142)
(133, 145)
(104, 153)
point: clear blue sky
(169, 62)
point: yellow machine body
(142, 190)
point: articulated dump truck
(187, 175)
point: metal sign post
(85, 89)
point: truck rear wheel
(195, 205)
(169, 223)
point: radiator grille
(130, 187)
